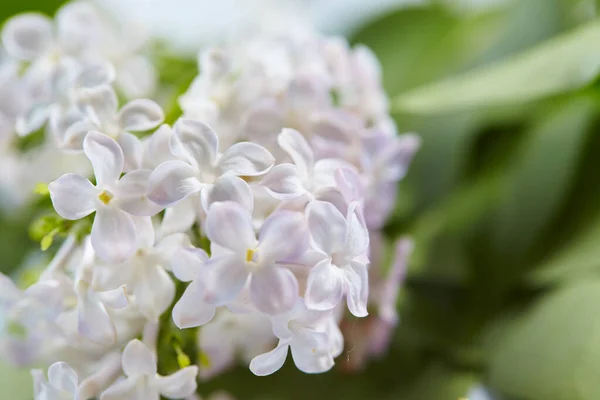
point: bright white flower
(305, 332)
(100, 111)
(198, 145)
(343, 242)
(143, 382)
(113, 198)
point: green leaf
(553, 351)
(559, 65)
(542, 175)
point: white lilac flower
(197, 144)
(343, 242)
(62, 383)
(305, 333)
(113, 198)
(143, 382)
(100, 113)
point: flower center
(105, 197)
(251, 256)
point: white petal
(246, 159)
(138, 360)
(325, 286)
(141, 115)
(95, 75)
(116, 298)
(179, 217)
(327, 226)
(93, 321)
(171, 182)
(264, 121)
(187, 262)
(191, 310)
(156, 147)
(298, 149)
(26, 36)
(195, 142)
(357, 287)
(133, 151)
(224, 279)
(283, 182)
(106, 157)
(154, 291)
(136, 77)
(99, 105)
(229, 188)
(132, 192)
(113, 235)
(229, 225)
(62, 377)
(73, 196)
(268, 363)
(311, 353)
(274, 290)
(144, 230)
(33, 119)
(325, 169)
(349, 184)
(123, 389)
(290, 225)
(180, 384)
(398, 156)
(75, 134)
(357, 235)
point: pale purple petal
(311, 353)
(327, 226)
(138, 360)
(141, 115)
(283, 182)
(229, 225)
(282, 236)
(75, 134)
(191, 310)
(196, 142)
(298, 149)
(73, 196)
(228, 188)
(357, 288)
(133, 150)
(357, 235)
(106, 157)
(224, 279)
(132, 192)
(93, 321)
(269, 363)
(187, 263)
(325, 286)
(122, 389)
(62, 377)
(180, 384)
(171, 182)
(154, 291)
(274, 290)
(246, 159)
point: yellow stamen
(250, 255)
(105, 197)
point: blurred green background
(503, 202)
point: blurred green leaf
(542, 174)
(438, 382)
(553, 351)
(562, 64)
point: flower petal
(156, 147)
(73, 196)
(327, 226)
(191, 310)
(268, 363)
(171, 182)
(246, 159)
(62, 377)
(115, 298)
(95, 75)
(132, 192)
(113, 235)
(141, 115)
(136, 77)
(27, 35)
(93, 321)
(274, 290)
(154, 291)
(122, 389)
(229, 225)
(357, 235)
(99, 105)
(349, 184)
(283, 182)
(187, 262)
(138, 360)
(224, 279)
(180, 384)
(33, 119)
(229, 188)
(325, 286)
(290, 225)
(179, 217)
(310, 352)
(196, 142)
(357, 288)
(298, 149)
(106, 157)
(133, 151)
(75, 134)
